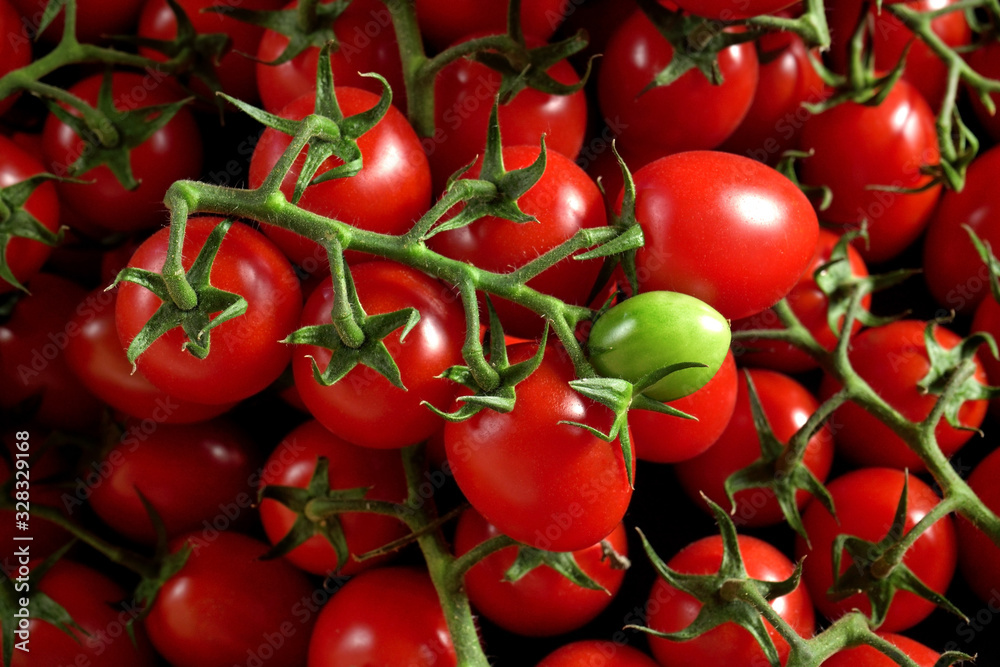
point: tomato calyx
(196, 321)
(17, 222)
(563, 562)
(310, 24)
(877, 569)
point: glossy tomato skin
(987, 319)
(464, 92)
(892, 141)
(246, 352)
(367, 43)
(866, 501)
(15, 50)
(866, 656)
(25, 256)
(226, 604)
(564, 496)
(95, 602)
(190, 474)
(543, 602)
(444, 22)
(236, 71)
(564, 200)
(810, 305)
(385, 616)
(728, 644)
(172, 153)
(664, 439)
(787, 405)
(893, 359)
(97, 358)
(588, 652)
(955, 274)
(986, 61)
(364, 408)
(393, 162)
(293, 463)
(979, 557)
(708, 217)
(659, 122)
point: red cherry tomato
(709, 217)
(787, 405)
(564, 200)
(246, 352)
(660, 121)
(444, 22)
(564, 496)
(543, 602)
(15, 49)
(588, 652)
(891, 142)
(293, 463)
(727, 644)
(979, 557)
(364, 408)
(866, 656)
(385, 616)
(893, 359)
(866, 502)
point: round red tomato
(671, 610)
(709, 218)
(591, 652)
(889, 145)
(957, 277)
(660, 121)
(293, 463)
(394, 162)
(665, 439)
(366, 42)
(787, 405)
(24, 257)
(978, 555)
(97, 358)
(866, 656)
(543, 602)
(444, 22)
(564, 201)
(15, 48)
(809, 304)
(101, 636)
(866, 502)
(564, 496)
(192, 475)
(246, 352)
(893, 359)
(385, 616)
(172, 153)
(364, 408)
(464, 92)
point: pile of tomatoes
(222, 484)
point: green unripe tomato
(653, 330)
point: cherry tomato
(979, 557)
(659, 121)
(364, 408)
(95, 19)
(246, 352)
(385, 616)
(226, 606)
(866, 656)
(172, 153)
(727, 644)
(787, 405)
(293, 463)
(191, 475)
(588, 652)
(393, 162)
(444, 22)
(866, 502)
(664, 439)
(709, 217)
(15, 49)
(809, 304)
(893, 358)
(564, 200)
(543, 602)
(891, 142)
(24, 257)
(366, 42)
(564, 496)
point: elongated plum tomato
(653, 330)
(246, 353)
(723, 228)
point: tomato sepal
(563, 562)
(308, 25)
(16, 222)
